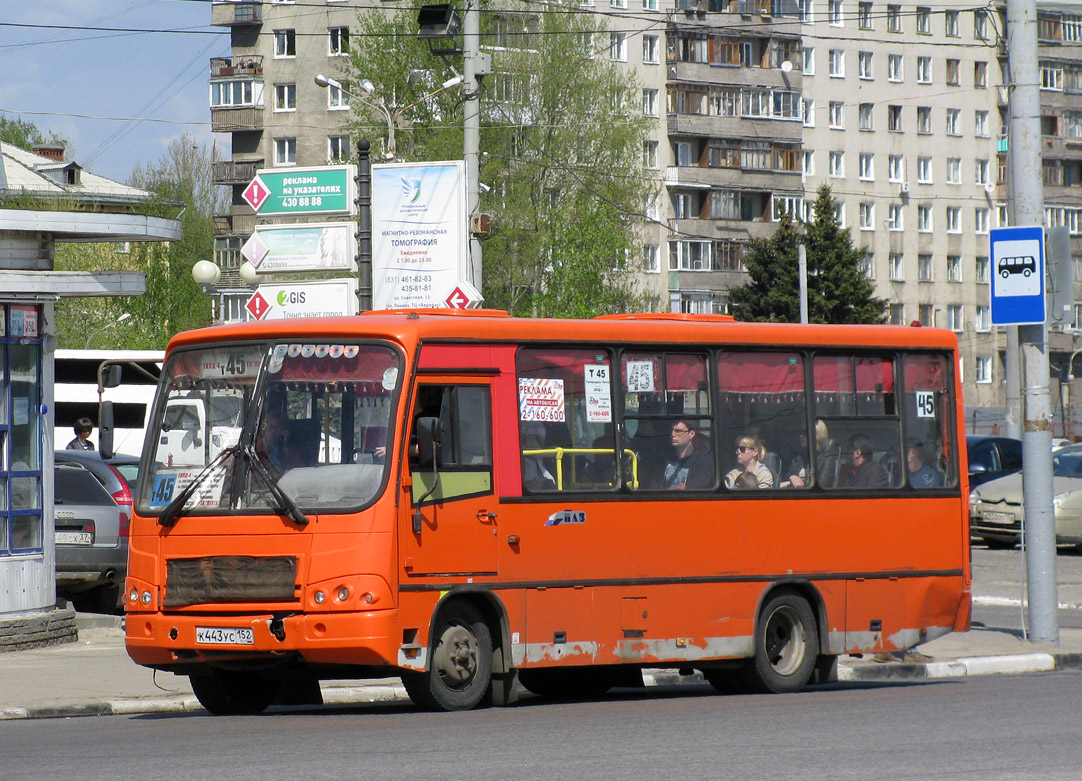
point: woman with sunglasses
(747, 456)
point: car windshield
(1067, 462)
(316, 418)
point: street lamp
(390, 115)
(106, 327)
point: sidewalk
(94, 676)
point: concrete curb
(849, 671)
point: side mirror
(977, 469)
(429, 441)
(111, 377)
(105, 429)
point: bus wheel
(786, 646)
(460, 662)
(572, 683)
(229, 693)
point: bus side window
(465, 449)
(931, 455)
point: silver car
(996, 514)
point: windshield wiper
(286, 505)
(172, 510)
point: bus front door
(452, 524)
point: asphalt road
(982, 728)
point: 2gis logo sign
(287, 297)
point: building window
(924, 70)
(618, 4)
(924, 119)
(618, 47)
(839, 213)
(647, 5)
(649, 102)
(894, 18)
(338, 150)
(894, 267)
(983, 321)
(894, 119)
(924, 20)
(683, 208)
(650, 50)
(895, 169)
(926, 315)
(980, 75)
(980, 216)
(981, 269)
(897, 316)
(837, 63)
(1052, 78)
(980, 124)
(866, 115)
(867, 167)
(285, 43)
(834, 10)
(689, 255)
(924, 268)
(285, 151)
(924, 225)
(953, 73)
(954, 170)
(809, 60)
(338, 97)
(980, 24)
(954, 219)
(924, 170)
(837, 165)
(650, 256)
(793, 205)
(864, 65)
(950, 24)
(337, 41)
(649, 154)
(894, 67)
(867, 265)
(867, 216)
(232, 93)
(954, 317)
(954, 268)
(954, 124)
(864, 16)
(894, 217)
(837, 116)
(984, 369)
(285, 97)
(809, 113)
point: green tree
(838, 290)
(173, 301)
(26, 135)
(561, 138)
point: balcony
(235, 171)
(234, 14)
(227, 119)
(234, 224)
(241, 65)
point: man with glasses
(692, 467)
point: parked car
(996, 510)
(92, 506)
(992, 457)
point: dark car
(92, 507)
(992, 457)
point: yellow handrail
(559, 452)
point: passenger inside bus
(921, 474)
(827, 461)
(691, 467)
(745, 480)
(863, 471)
(536, 474)
(274, 443)
(748, 449)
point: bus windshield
(247, 423)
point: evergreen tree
(838, 291)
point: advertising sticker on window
(598, 392)
(541, 400)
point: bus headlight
(343, 593)
(319, 597)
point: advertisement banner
(329, 246)
(420, 247)
(286, 301)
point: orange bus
(472, 501)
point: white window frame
(954, 268)
(925, 171)
(651, 259)
(865, 65)
(836, 60)
(284, 40)
(867, 216)
(980, 123)
(341, 141)
(618, 47)
(338, 41)
(981, 219)
(649, 154)
(924, 70)
(954, 122)
(867, 167)
(837, 115)
(954, 219)
(808, 55)
(896, 169)
(285, 152)
(896, 267)
(837, 164)
(285, 98)
(924, 218)
(954, 170)
(895, 217)
(982, 365)
(895, 67)
(650, 102)
(650, 50)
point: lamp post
(106, 327)
(377, 103)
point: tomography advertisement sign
(420, 249)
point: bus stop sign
(1018, 286)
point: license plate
(74, 538)
(218, 635)
(999, 518)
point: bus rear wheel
(460, 662)
(231, 693)
(786, 646)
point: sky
(119, 98)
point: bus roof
(411, 326)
